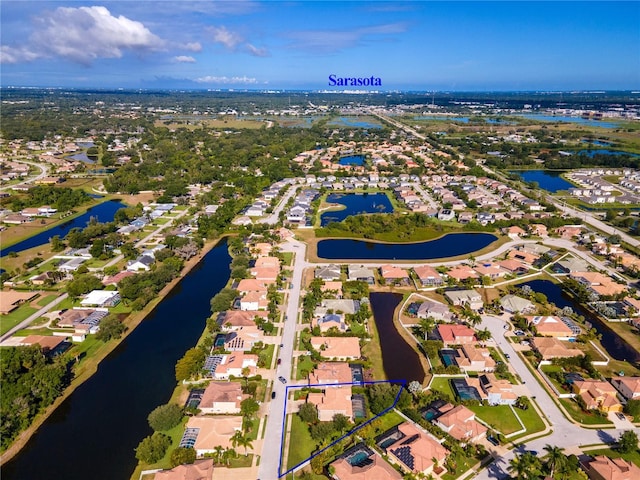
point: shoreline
(91, 367)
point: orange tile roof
(331, 372)
(423, 449)
(340, 347)
(198, 470)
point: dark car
(282, 379)
(279, 361)
(493, 440)
(273, 395)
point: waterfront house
(328, 273)
(462, 272)
(435, 310)
(513, 266)
(210, 432)
(236, 319)
(328, 321)
(222, 398)
(428, 276)
(342, 305)
(361, 273)
(514, 304)
(629, 387)
(394, 275)
(461, 424)
(198, 470)
(243, 339)
(549, 347)
(337, 348)
(331, 372)
(598, 283)
(551, 326)
(101, 298)
(456, 334)
(498, 391)
(234, 364)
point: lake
(443, 118)
(450, 245)
(601, 143)
(104, 212)
(353, 122)
(94, 432)
(400, 361)
(352, 160)
(82, 157)
(548, 180)
(356, 204)
(592, 153)
(567, 119)
(616, 347)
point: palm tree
(554, 459)
(426, 325)
(525, 466)
(218, 453)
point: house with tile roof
(415, 450)
(222, 398)
(331, 372)
(549, 347)
(210, 432)
(337, 348)
(469, 298)
(629, 387)
(332, 401)
(456, 334)
(472, 358)
(461, 424)
(428, 276)
(605, 468)
(375, 467)
(598, 395)
(198, 470)
(550, 326)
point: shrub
(165, 417)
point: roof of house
(251, 285)
(426, 272)
(514, 303)
(330, 347)
(222, 392)
(198, 470)
(215, 431)
(393, 272)
(471, 354)
(242, 318)
(47, 342)
(378, 469)
(333, 399)
(550, 325)
(613, 469)
(10, 299)
(461, 272)
(455, 333)
(417, 455)
(331, 372)
(113, 280)
(632, 383)
(268, 262)
(461, 423)
(550, 347)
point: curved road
(44, 171)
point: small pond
(354, 122)
(356, 204)
(567, 119)
(352, 160)
(450, 245)
(548, 180)
(592, 153)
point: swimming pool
(448, 357)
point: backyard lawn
(500, 417)
(578, 415)
(531, 420)
(46, 300)
(305, 364)
(442, 385)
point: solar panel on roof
(411, 439)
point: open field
(230, 122)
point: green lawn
(499, 417)
(301, 445)
(287, 258)
(304, 363)
(442, 385)
(12, 319)
(388, 420)
(241, 461)
(531, 420)
(46, 300)
(582, 417)
(463, 463)
(267, 354)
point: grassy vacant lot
(633, 457)
(300, 442)
(46, 300)
(12, 319)
(499, 417)
(372, 352)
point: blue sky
(417, 45)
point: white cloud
(184, 59)
(226, 37)
(227, 80)
(256, 51)
(16, 55)
(84, 34)
(192, 47)
(327, 41)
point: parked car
(506, 355)
(493, 440)
(621, 416)
(273, 395)
(282, 379)
(279, 361)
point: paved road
(44, 171)
(275, 215)
(270, 460)
(565, 434)
(26, 322)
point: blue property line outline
(350, 432)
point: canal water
(400, 361)
(450, 245)
(615, 346)
(94, 432)
(104, 212)
(356, 204)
